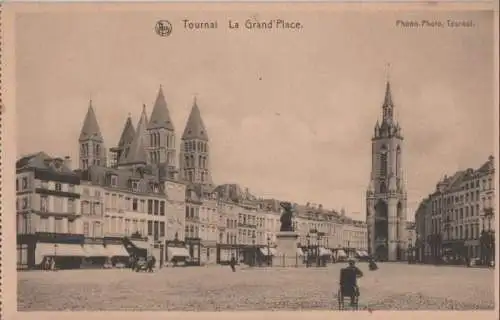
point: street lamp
(308, 237)
(318, 239)
(254, 250)
(55, 254)
(268, 250)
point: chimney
(67, 162)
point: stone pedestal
(286, 247)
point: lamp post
(55, 255)
(254, 249)
(318, 239)
(269, 257)
(308, 237)
(410, 251)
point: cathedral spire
(90, 128)
(160, 116)
(136, 154)
(128, 132)
(195, 128)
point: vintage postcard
(249, 157)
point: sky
(289, 114)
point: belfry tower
(386, 194)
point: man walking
(232, 263)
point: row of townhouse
(457, 220)
(73, 215)
(142, 197)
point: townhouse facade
(457, 221)
(142, 197)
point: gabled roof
(160, 117)
(34, 160)
(487, 166)
(195, 128)
(90, 128)
(128, 133)
(47, 168)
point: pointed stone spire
(388, 94)
(128, 133)
(388, 106)
(160, 117)
(137, 153)
(195, 128)
(90, 128)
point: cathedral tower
(386, 195)
(123, 147)
(91, 142)
(134, 154)
(161, 135)
(194, 155)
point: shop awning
(140, 244)
(300, 252)
(116, 250)
(341, 253)
(365, 253)
(360, 254)
(324, 252)
(57, 249)
(94, 250)
(177, 252)
(271, 252)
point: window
(71, 206)
(162, 229)
(162, 208)
(58, 225)
(71, 227)
(58, 187)
(44, 204)
(150, 228)
(187, 212)
(25, 183)
(383, 163)
(135, 186)
(25, 203)
(156, 207)
(71, 188)
(17, 185)
(150, 206)
(114, 181)
(44, 224)
(58, 204)
(155, 230)
(134, 204)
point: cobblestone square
(393, 287)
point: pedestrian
(153, 263)
(372, 265)
(132, 261)
(232, 263)
(53, 264)
(46, 264)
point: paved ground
(393, 286)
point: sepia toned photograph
(254, 158)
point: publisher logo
(163, 28)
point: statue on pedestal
(286, 217)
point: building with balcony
(454, 222)
(49, 224)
